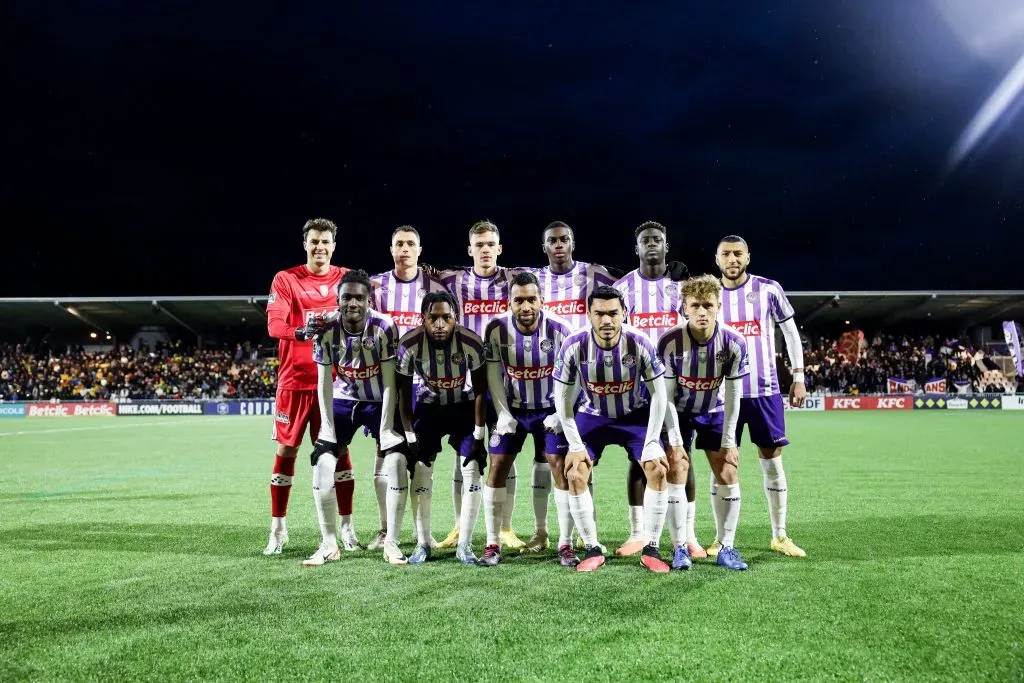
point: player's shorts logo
(629, 360)
(546, 346)
(282, 417)
(367, 343)
(579, 280)
(495, 440)
(722, 355)
(458, 358)
(751, 297)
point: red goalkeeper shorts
(292, 412)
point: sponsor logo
(272, 298)
(223, 409)
(324, 289)
(356, 374)
(869, 403)
(484, 306)
(405, 318)
(957, 404)
(70, 410)
(699, 383)
(702, 356)
(12, 410)
(810, 403)
(648, 320)
(527, 344)
(748, 328)
(446, 383)
(894, 403)
(495, 440)
(566, 307)
(160, 409)
(282, 417)
(843, 403)
(609, 388)
(1013, 402)
(529, 373)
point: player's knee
(578, 474)
(769, 454)
(655, 471)
(287, 451)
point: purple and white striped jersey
(565, 294)
(698, 369)
(480, 299)
(753, 309)
(612, 380)
(357, 357)
(401, 299)
(445, 370)
(653, 306)
(528, 359)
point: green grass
(131, 550)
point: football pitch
(131, 549)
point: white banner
(810, 403)
(1013, 402)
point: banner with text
(936, 385)
(1012, 333)
(159, 408)
(240, 407)
(899, 385)
(1015, 402)
(810, 403)
(869, 403)
(12, 410)
(83, 409)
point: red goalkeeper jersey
(295, 296)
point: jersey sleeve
(387, 340)
(778, 303)
(601, 276)
(474, 347)
(492, 349)
(324, 349)
(648, 362)
(566, 365)
(666, 352)
(739, 363)
(408, 347)
(279, 307)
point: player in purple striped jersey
(654, 306)
(360, 346)
(482, 294)
(449, 359)
(699, 356)
(399, 293)
(753, 306)
(623, 403)
(521, 348)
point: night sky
(175, 148)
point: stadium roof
(120, 315)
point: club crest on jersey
(546, 346)
(420, 293)
(458, 358)
(671, 288)
(751, 297)
(723, 355)
(272, 298)
(579, 279)
(495, 440)
(629, 360)
(367, 343)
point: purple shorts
(432, 422)
(630, 432)
(708, 428)
(764, 417)
(531, 421)
(350, 415)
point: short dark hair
(522, 279)
(320, 225)
(649, 225)
(356, 277)
(480, 227)
(605, 292)
(406, 228)
(732, 238)
(557, 224)
(436, 298)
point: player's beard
(739, 275)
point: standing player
(752, 306)
(361, 348)
(654, 305)
(399, 293)
(481, 293)
(623, 404)
(299, 299)
(698, 356)
(521, 347)
(446, 357)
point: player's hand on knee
(729, 455)
(507, 423)
(553, 424)
(652, 451)
(321, 447)
(389, 439)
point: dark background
(177, 148)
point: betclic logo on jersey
(484, 306)
(357, 374)
(405, 319)
(647, 320)
(699, 383)
(748, 328)
(529, 373)
(610, 388)
(566, 307)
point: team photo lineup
(569, 358)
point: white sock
(278, 526)
(637, 515)
(691, 515)
(457, 489)
(714, 505)
(775, 492)
(655, 507)
(470, 502)
(422, 492)
(380, 489)
(397, 477)
(510, 499)
(582, 508)
(325, 500)
(494, 503)
(677, 514)
(541, 481)
(729, 505)
(565, 523)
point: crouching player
(361, 348)
(445, 355)
(699, 355)
(521, 346)
(624, 401)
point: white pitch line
(162, 423)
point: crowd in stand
(174, 371)
(831, 368)
(31, 372)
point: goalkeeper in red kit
(301, 299)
